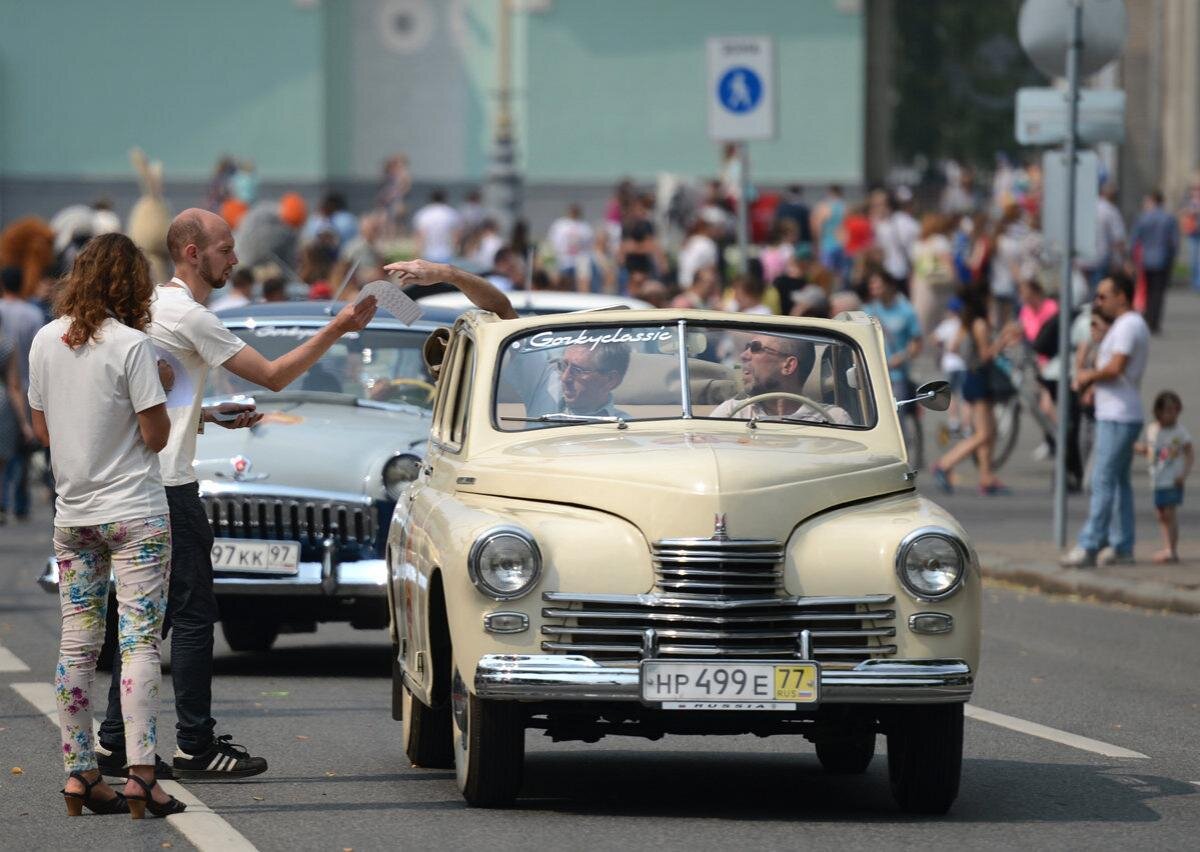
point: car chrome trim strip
(657, 600)
(550, 677)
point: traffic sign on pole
(1054, 201)
(740, 86)
(1042, 116)
(1044, 28)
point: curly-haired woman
(97, 400)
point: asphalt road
(318, 708)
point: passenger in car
(779, 365)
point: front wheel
(846, 755)
(489, 747)
(924, 750)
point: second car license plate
(688, 685)
(256, 557)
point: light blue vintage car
(300, 504)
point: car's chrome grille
(721, 567)
(264, 516)
(610, 628)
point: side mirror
(933, 395)
(434, 350)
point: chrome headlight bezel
(395, 488)
(942, 534)
(476, 554)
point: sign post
(741, 96)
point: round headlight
(398, 472)
(504, 564)
(931, 564)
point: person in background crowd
(702, 293)
(269, 228)
(859, 252)
(98, 402)
(471, 212)
(438, 228)
(331, 217)
(790, 281)
(16, 430)
(978, 348)
(1110, 238)
(1155, 240)
(507, 272)
(811, 301)
(1120, 363)
(571, 239)
(774, 257)
(274, 289)
(363, 249)
(616, 209)
(826, 229)
(241, 291)
(1009, 241)
(1168, 447)
(699, 249)
(793, 209)
(640, 250)
(901, 337)
(20, 321)
(482, 248)
(932, 283)
(28, 244)
(193, 341)
(1189, 226)
(747, 296)
(951, 363)
(394, 188)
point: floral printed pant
(139, 554)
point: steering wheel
(803, 400)
(423, 390)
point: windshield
(380, 365)
(622, 373)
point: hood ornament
(241, 471)
(719, 531)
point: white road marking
(1033, 729)
(203, 828)
(10, 662)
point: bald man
(192, 341)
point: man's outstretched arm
(482, 293)
(278, 374)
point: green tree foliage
(958, 68)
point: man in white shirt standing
(571, 237)
(1120, 364)
(438, 228)
(190, 338)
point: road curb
(1087, 583)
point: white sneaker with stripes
(222, 759)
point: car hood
(672, 484)
(315, 445)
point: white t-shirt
(91, 397)
(698, 252)
(190, 338)
(437, 224)
(944, 334)
(1166, 447)
(804, 411)
(572, 241)
(1121, 400)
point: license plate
(256, 557)
(699, 685)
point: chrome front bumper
(548, 677)
(364, 578)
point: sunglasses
(573, 370)
(754, 347)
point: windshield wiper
(559, 417)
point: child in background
(953, 367)
(1168, 446)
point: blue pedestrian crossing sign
(741, 88)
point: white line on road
(1033, 729)
(10, 662)
(205, 830)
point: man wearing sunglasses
(776, 364)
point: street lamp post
(502, 188)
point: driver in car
(773, 364)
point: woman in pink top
(1036, 310)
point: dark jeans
(15, 482)
(1157, 281)
(191, 614)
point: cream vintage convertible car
(677, 522)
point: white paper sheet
(392, 300)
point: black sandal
(138, 805)
(77, 801)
